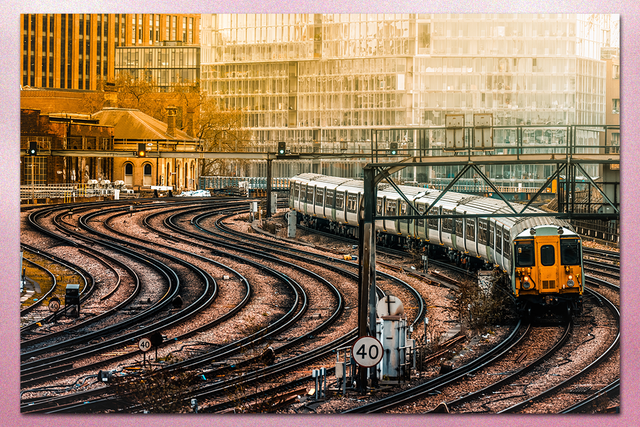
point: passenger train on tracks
(542, 256)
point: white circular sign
(144, 344)
(54, 304)
(367, 351)
(389, 306)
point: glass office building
(167, 65)
(327, 80)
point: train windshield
(547, 255)
(570, 252)
(525, 254)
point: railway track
(199, 230)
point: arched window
(146, 179)
(128, 174)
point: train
(540, 257)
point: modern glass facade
(331, 78)
(166, 65)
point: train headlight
(526, 283)
(570, 282)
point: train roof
(468, 202)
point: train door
(490, 246)
(498, 247)
(380, 212)
(403, 224)
(446, 228)
(548, 254)
(483, 237)
(318, 206)
(328, 210)
(433, 226)
(419, 227)
(303, 198)
(459, 231)
(351, 207)
(292, 195)
(340, 211)
(389, 224)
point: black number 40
(372, 353)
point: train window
(352, 202)
(447, 223)
(379, 206)
(310, 189)
(329, 198)
(547, 255)
(339, 200)
(471, 229)
(525, 255)
(303, 194)
(570, 252)
(391, 207)
(433, 222)
(483, 236)
(491, 234)
(296, 193)
(319, 196)
(506, 244)
(498, 239)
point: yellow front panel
(547, 251)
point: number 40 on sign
(367, 351)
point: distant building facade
(132, 127)
(74, 51)
(61, 132)
(331, 78)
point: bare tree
(221, 130)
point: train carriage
(545, 268)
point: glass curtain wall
(329, 79)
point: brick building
(132, 127)
(62, 131)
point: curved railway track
(185, 234)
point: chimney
(189, 128)
(171, 120)
(110, 95)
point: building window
(616, 106)
(615, 143)
(616, 71)
(146, 180)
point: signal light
(142, 150)
(33, 148)
(393, 148)
(282, 148)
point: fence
(249, 183)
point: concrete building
(327, 80)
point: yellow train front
(547, 273)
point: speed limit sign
(54, 304)
(367, 351)
(144, 344)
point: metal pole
(269, 162)
(369, 255)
